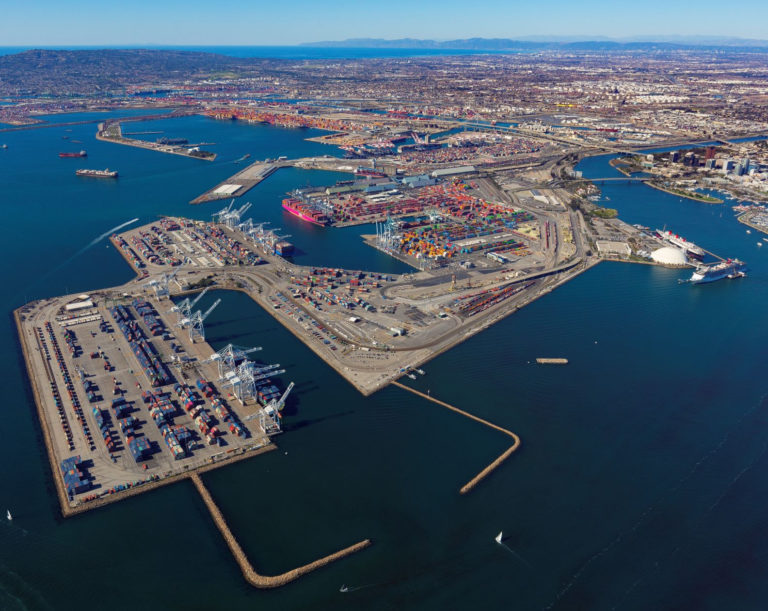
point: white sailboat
(498, 537)
(8, 514)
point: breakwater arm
(251, 576)
(490, 468)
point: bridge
(601, 180)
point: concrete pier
(111, 131)
(250, 574)
(240, 183)
(489, 469)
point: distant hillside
(534, 44)
(87, 71)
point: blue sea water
(639, 484)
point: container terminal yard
(131, 397)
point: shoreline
(651, 184)
(149, 146)
(746, 219)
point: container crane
(160, 285)
(280, 403)
(243, 379)
(232, 218)
(196, 328)
(223, 213)
(228, 357)
(184, 308)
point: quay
(490, 468)
(73, 500)
(240, 183)
(244, 180)
(111, 131)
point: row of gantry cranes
(242, 375)
(236, 371)
(261, 235)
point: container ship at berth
(67, 155)
(689, 247)
(98, 173)
(731, 268)
(304, 211)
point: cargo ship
(283, 248)
(689, 247)
(305, 211)
(80, 154)
(730, 268)
(97, 173)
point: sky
(258, 22)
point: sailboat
(498, 537)
(8, 514)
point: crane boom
(209, 310)
(281, 403)
(198, 298)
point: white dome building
(669, 255)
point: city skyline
(84, 22)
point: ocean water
(639, 484)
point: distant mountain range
(533, 43)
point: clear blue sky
(257, 22)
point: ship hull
(302, 216)
(707, 276)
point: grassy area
(685, 193)
(605, 213)
(202, 283)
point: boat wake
(499, 539)
(106, 234)
(345, 589)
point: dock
(240, 183)
(98, 473)
(111, 131)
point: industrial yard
(130, 399)
(133, 395)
